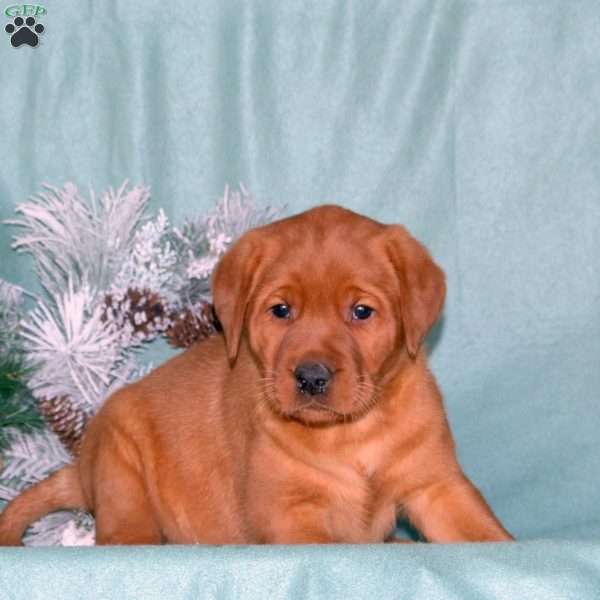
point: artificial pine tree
(114, 279)
(17, 408)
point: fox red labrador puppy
(314, 418)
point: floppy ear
(422, 285)
(232, 285)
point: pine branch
(76, 240)
(30, 458)
(74, 352)
(17, 408)
(202, 241)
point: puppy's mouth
(316, 406)
(337, 405)
(314, 411)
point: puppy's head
(329, 302)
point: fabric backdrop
(474, 122)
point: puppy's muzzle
(313, 378)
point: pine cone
(143, 310)
(192, 325)
(67, 421)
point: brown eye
(361, 312)
(281, 311)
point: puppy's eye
(281, 311)
(361, 312)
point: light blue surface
(541, 570)
(475, 123)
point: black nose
(313, 378)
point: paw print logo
(24, 32)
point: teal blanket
(474, 122)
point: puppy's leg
(453, 510)
(112, 474)
(124, 514)
(299, 525)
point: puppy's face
(329, 301)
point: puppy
(312, 419)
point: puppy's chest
(346, 487)
(360, 505)
(369, 458)
(361, 470)
(357, 465)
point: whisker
(367, 395)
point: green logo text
(24, 10)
